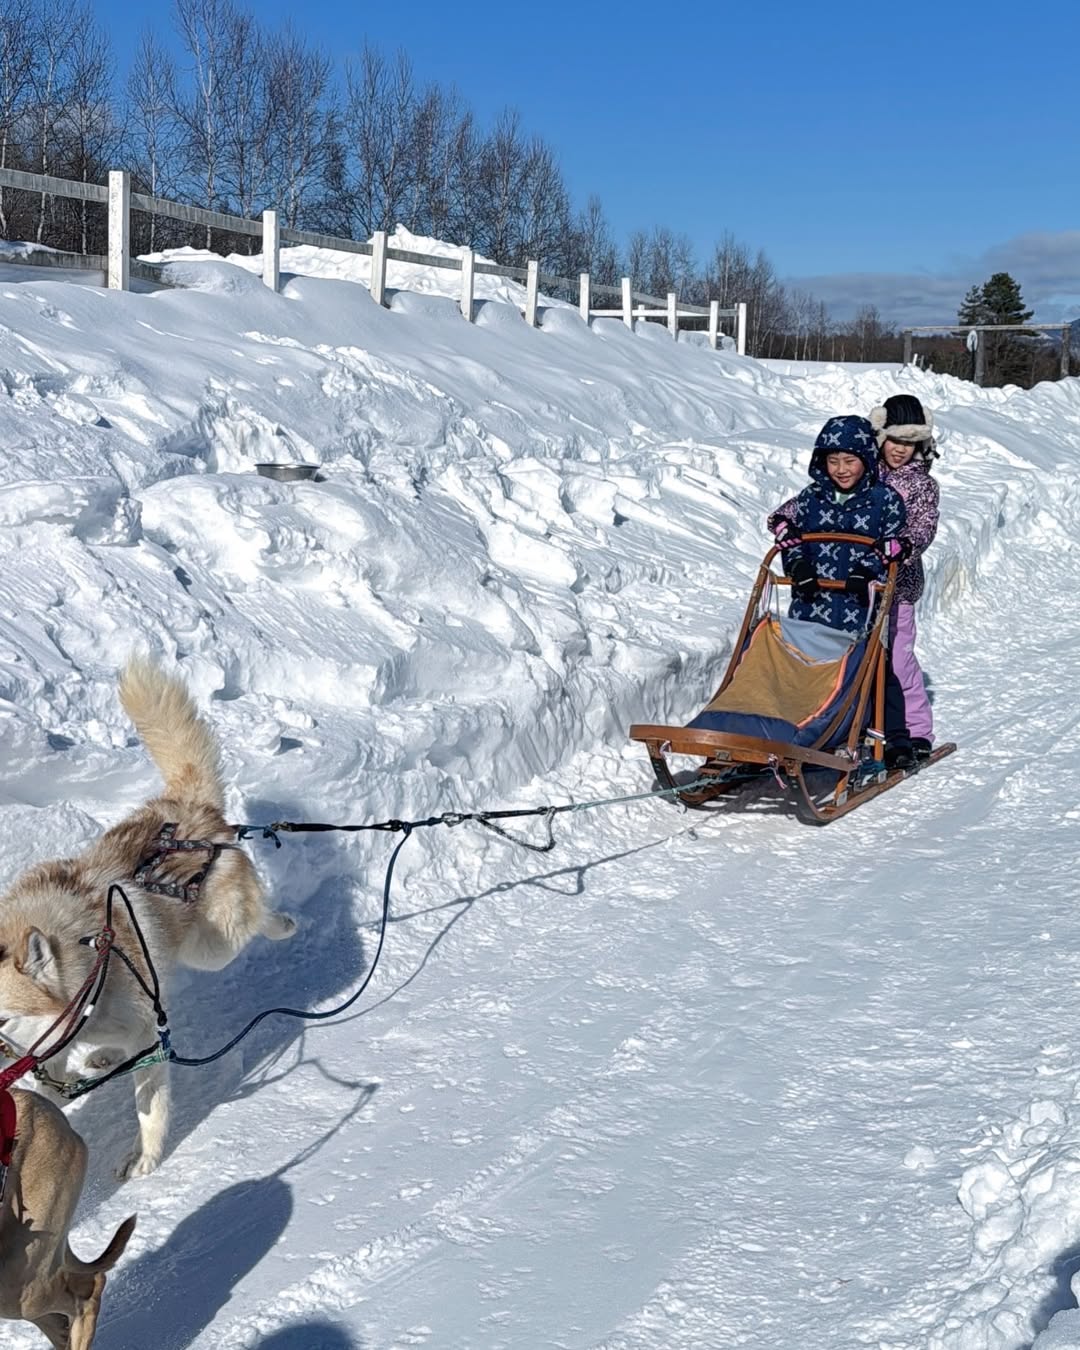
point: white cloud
(1047, 266)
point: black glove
(803, 579)
(862, 573)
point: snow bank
(523, 540)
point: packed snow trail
(694, 1082)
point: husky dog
(41, 1279)
(185, 918)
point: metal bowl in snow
(287, 473)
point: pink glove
(786, 535)
(894, 550)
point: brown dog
(41, 1280)
(196, 907)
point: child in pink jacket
(905, 436)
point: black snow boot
(899, 754)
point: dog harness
(147, 874)
(8, 1123)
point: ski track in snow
(687, 1081)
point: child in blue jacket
(844, 496)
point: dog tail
(179, 741)
(108, 1257)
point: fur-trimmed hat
(903, 418)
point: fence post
(377, 285)
(532, 292)
(909, 341)
(119, 230)
(628, 303)
(468, 263)
(673, 314)
(714, 323)
(271, 250)
(980, 360)
(740, 327)
(1066, 333)
(584, 296)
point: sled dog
(41, 1279)
(186, 917)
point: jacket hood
(848, 436)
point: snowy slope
(679, 1083)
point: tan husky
(201, 923)
(41, 1279)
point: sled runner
(801, 705)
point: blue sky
(890, 153)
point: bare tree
(378, 122)
(152, 142)
(821, 328)
(455, 204)
(443, 154)
(662, 261)
(544, 218)
(55, 35)
(735, 275)
(88, 128)
(204, 28)
(729, 272)
(500, 186)
(301, 120)
(591, 247)
(867, 330)
(245, 115)
(17, 46)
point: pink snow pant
(920, 720)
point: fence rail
(53, 187)
(119, 266)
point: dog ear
(37, 956)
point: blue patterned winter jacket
(872, 509)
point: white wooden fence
(120, 267)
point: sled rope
(451, 818)
(164, 1052)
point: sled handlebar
(821, 537)
(826, 537)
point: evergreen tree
(1003, 301)
(973, 307)
(998, 301)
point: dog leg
(152, 1105)
(55, 1326)
(84, 1323)
(210, 946)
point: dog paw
(137, 1164)
(279, 926)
